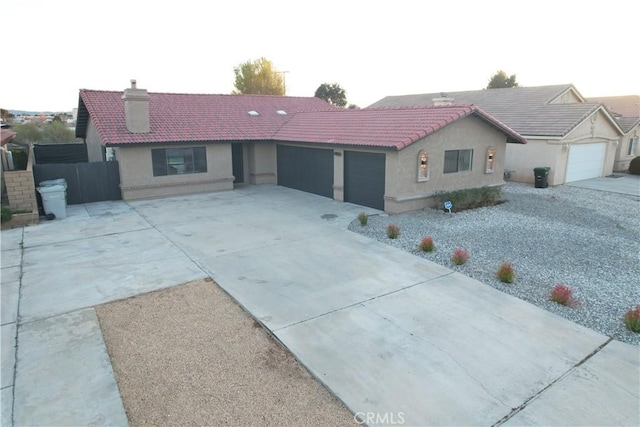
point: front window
(423, 166)
(178, 161)
(458, 160)
(633, 146)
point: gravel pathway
(586, 239)
(190, 356)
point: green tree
(27, 132)
(332, 93)
(501, 80)
(56, 131)
(258, 77)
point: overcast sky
(371, 48)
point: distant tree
(57, 118)
(56, 131)
(27, 132)
(501, 80)
(258, 77)
(332, 93)
(353, 107)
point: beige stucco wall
(137, 180)
(622, 158)
(403, 191)
(261, 162)
(522, 158)
(94, 143)
(554, 153)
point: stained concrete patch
(199, 359)
(10, 274)
(63, 277)
(592, 394)
(63, 374)
(280, 287)
(9, 293)
(11, 257)
(6, 406)
(11, 239)
(73, 228)
(8, 351)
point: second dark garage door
(364, 176)
(306, 169)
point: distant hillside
(36, 113)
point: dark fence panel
(60, 153)
(86, 182)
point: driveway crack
(524, 404)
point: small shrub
(470, 198)
(460, 256)
(631, 319)
(6, 214)
(393, 231)
(634, 166)
(363, 218)
(426, 244)
(562, 294)
(506, 272)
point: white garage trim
(585, 161)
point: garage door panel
(306, 169)
(585, 161)
(364, 178)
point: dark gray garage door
(364, 179)
(306, 169)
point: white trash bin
(54, 200)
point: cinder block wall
(21, 190)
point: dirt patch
(189, 355)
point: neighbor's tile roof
(380, 127)
(626, 109)
(628, 105)
(191, 117)
(524, 109)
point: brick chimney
(136, 109)
(443, 99)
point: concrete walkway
(394, 336)
(618, 183)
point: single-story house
(393, 159)
(626, 111)
(576, 139)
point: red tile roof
(6, 136)
(380, 127)
(192, 117)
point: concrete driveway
(621, 183)
(395, 337)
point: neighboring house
(576, 139)
(391, 159)
(626, 111)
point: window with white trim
(423, 166)
(491, 154)
(633, 146)
(178, 161)
(458, 160)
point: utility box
(541, 177)
(54, 200)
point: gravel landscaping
(588, 240)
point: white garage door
(585, 161)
